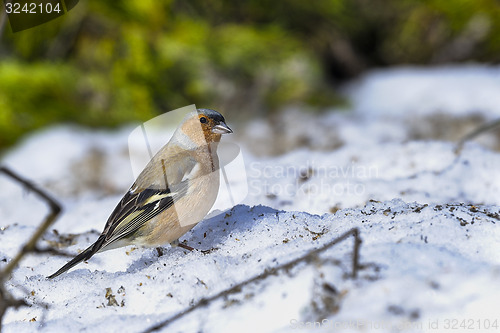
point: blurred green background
(107, 62)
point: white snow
(457, 90)
(428, 218)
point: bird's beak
(221, 128)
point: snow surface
(456, 90)
(428, 218)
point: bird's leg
(176, 243)
(187, 247)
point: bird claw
(209, 250)
(176, 243)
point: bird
(174, 192)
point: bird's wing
(133, 211)
(138, 206)
(136, 209)
(146, 199)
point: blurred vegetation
(108, 62)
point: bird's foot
(186, 247)
(209, 250)
(176, 243)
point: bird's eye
(203, 120)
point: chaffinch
(174, 192)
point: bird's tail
(85, 255)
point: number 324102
(32, 8)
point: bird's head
(204, 126)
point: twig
(6, 300)
(355, 255)
(457, 151)
(478, 131)
(30, 246)
(268, 272)
(52, 251)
